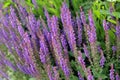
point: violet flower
(89, 76)
(80, 76)
(57, 46)
(87, 54)
(112, 77)
(102, 60)
(81, 60)
(68, 29)
(82, 15)
(117, 77)
(80, 31)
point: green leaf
(112, 21)
(72, 77)
(116, 14)
(6, 4)
(105, 12)
(32, 79)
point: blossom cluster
(42, 48)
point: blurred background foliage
(100, 8)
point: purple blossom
(64, 66)
(63, 40)
(81, 60)
(118, 31)
(20, 29)
(6, 61)
(4, 74)
(102, 60)
(105, 26)
(89, 76)
(117, 76)
(56, 74)
(34, 2)
(67, 25)
(49, 72)
(87, 54)
(82, 15)
(57, 46)
(48, 18)
(12, 17)
(112, 73)
(92, 34)
(23, 11)
(80, 76)
(80, 30)
(114, 48)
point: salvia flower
(81, 60)
(102, 60)
(82, 15)
(114, 49)
(87, 54)
(112, 77)
(80, 31)
(89, 76)
(80, 76)
(56, 74)
(117, 77)
(67, 24)
(105, 26)
(4, 74)
(118, 31)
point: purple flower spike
(63, 41)
(117, 76)
(83, 18)
(56, 74)
(106, 27)
(118, 31)
(68, 28)
(49, 72)
(114, 49)
(42, 56)
(4, 74)
(102, 60)
(112, 77)
(81, 60)
(13, 17)
(89, 76)
(92, 34)
(80, 76)
(87, 54)
(80, 31)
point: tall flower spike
(68, 29)
(80, 76)
(118, 38)
(89, 76)
(82, 15)
(102, 60)
(107, 41)
(4, 74)
(87, 54)
(63, 40)
(56, 74)
(112, 77)
(49, 72)
(48, 18)
(12, 17)
(81, 60)
(117, 77)
(80, 31)
(57, 46)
